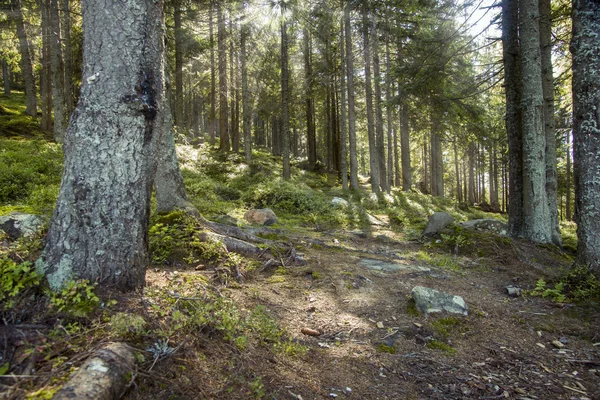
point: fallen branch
(104, 376)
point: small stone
(348, 390)
(418, 325)
(539, 333)
(557, 344)
(513, 291)
(380, 325)
(540, 345)
(394, 318)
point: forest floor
(374, 345)
(341, 324)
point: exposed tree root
(104, 376)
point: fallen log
(104, 376)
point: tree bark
(373, 153)
(568, 212)
(351, 100)
(285, 101)
(26, 65)
(379, 135)
(343, 135)
(178, 103)
(585, 48)
(405, 148)
(68, 55)
(244, 34)
(46, 72)
(58, 77)
(311, 140)
(549, 124)
(390, 127)
(99, 229)
(514, 132)
(213, 88)
(536, 214)
(224, 144)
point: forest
(376, 199)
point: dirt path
(373, 344)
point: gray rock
(513, 291)
(437, 222)
(263, 216)
(386, 266)
(375, 221)
(339, 202)
(430, 301)
(489, 224)
(226, 219)
(18, 224)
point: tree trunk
(471, 188)
(351, 111)
(343, 135)
(58, 74)
(536, 214)
(437, 167)
(373, 153)
(178, 103)
(514, 132)
(405, 148)
(549, 125)
(6, 77)
(245, 32)
(99, 229)
(390, 128)
(311, 140)
(213, 80)
(457, 172)
(285, 102)
(224, 144)
(26, 65)
(568, 212)
(68, 55)
(46, 72)
(379, 135)
(585, 48)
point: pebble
(541, 345)
(558, 344)
(380, 325)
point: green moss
(437, 345)
(445, 326)
(411, 308)
(383, 348)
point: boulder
(263, 216)
(489, 224)
(339, 202)
(430, 301)
(437, 222)
(18, 224)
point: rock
(18, 224)
(492, 225)
(375, 221)
(390, 266)
(429, 301)
(339, 202)
(379, 325)
(225, 219)
(513, 291)
(263, 216)
(558, 344)
(437, 222)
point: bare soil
(372, 344)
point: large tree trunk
(390, 128)
(536, 214)
(213, 89)
(285, 102)
(568, 212)
(58, 74)
(99, 229)
(549, 125)
(351, 112)
(585, 48)
(245, 32)
(514, 133)
(26, 65)
(373, 153)
(437, 166)
(223, 107)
